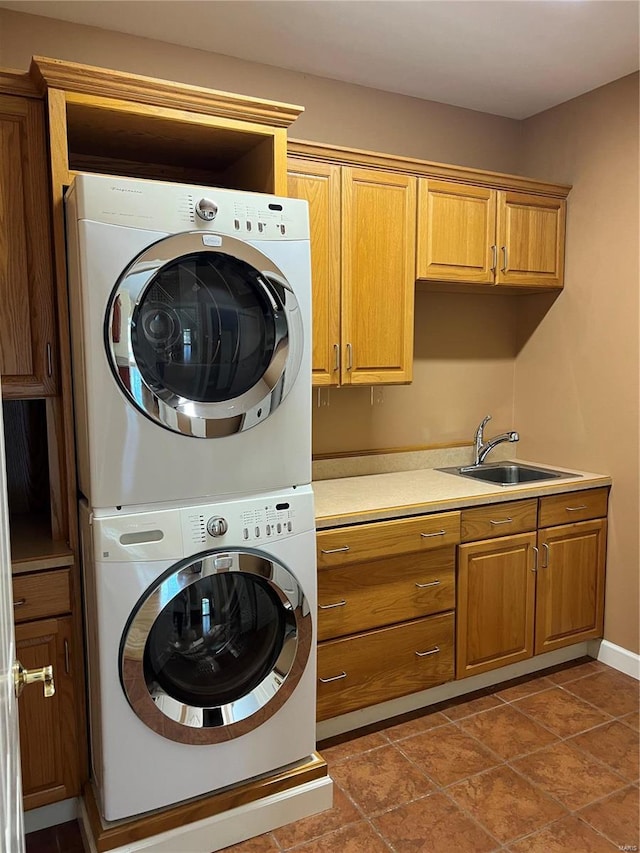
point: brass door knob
(22, 676)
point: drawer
(41, 594)
(359, 671)
(500, 519)
(572, 506)
(387, 538)
(369, 595)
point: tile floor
(544, 764)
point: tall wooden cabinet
(27, 318)
(363, 256)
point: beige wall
(577, 380)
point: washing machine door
(216, 646)
(204, 335)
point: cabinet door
(496, 595)
(48, 733)
(26, 276)
(570, 596)
(456, 232)
(378, 276)
(319, 185)
(531, 233)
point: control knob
(206, 209)
(217, 526)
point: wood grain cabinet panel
(41, 594)
(573, 506)
(496, 595)
(48, 731)
(363, 227)
(319, 185)
(381, 592)
(375, 666)
(346, 545)
(500, 519)
(477, 235)
(456, 232)
(530, 235)
(570, 591)
(27, 317)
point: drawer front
(360, 671)
(382, 592)
(501, 519)
(572, 506)
(40, 595)
(346, 545)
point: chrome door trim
(179, 414)
(178, 721)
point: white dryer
(191, 334)
(201, 646)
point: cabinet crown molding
(422, 168)
(47, 73)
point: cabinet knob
(22, 676)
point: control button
(257, 531)
(206, 209)
(283, 228)
(289, 527)
(217, 526)
(245, 533)
(236, 224)
(279, 528)
(248, 225)
(268, 530)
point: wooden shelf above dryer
(126, 124)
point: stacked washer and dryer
(191, 334)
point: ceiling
(512, 58)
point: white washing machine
(201, 646)
(191, 334)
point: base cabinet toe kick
(411, 603)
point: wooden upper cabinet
(319, 185)
(530, 233)
(456, 232)
(27, 357)
(378, 276)
(478, 235)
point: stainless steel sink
(507, 473)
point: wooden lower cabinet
(570, 584)
(374, 666)
(48, 731)
(496, 595)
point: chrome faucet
(484, 447)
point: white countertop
(370, 497)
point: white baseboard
(386, 710)
(46, 816)
(615, 656)
(233, 826)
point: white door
(10, 783)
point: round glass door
(215, 647)
(204, 339)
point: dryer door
(204, 335)
(216, 646)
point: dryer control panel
(255, 523)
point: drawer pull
(19, 602)
(575, 508)
(545, 565)
(333, 678)
(331, 606)
(429, 535)
(334, 550)
(425, 585)
(67, 662)
(433, 651)
(502, 521)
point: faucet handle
(481, 427)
